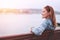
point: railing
(47, 35)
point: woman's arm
(39, 30)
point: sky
(27, 4)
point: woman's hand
(31, 30)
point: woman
(48, 21)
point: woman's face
(45, 14)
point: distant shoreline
(23, 11)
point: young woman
(48, 21)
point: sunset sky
(27, 4)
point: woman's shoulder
(48, 21)
(44, 20)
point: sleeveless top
(46, 24)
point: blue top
(45, 24)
